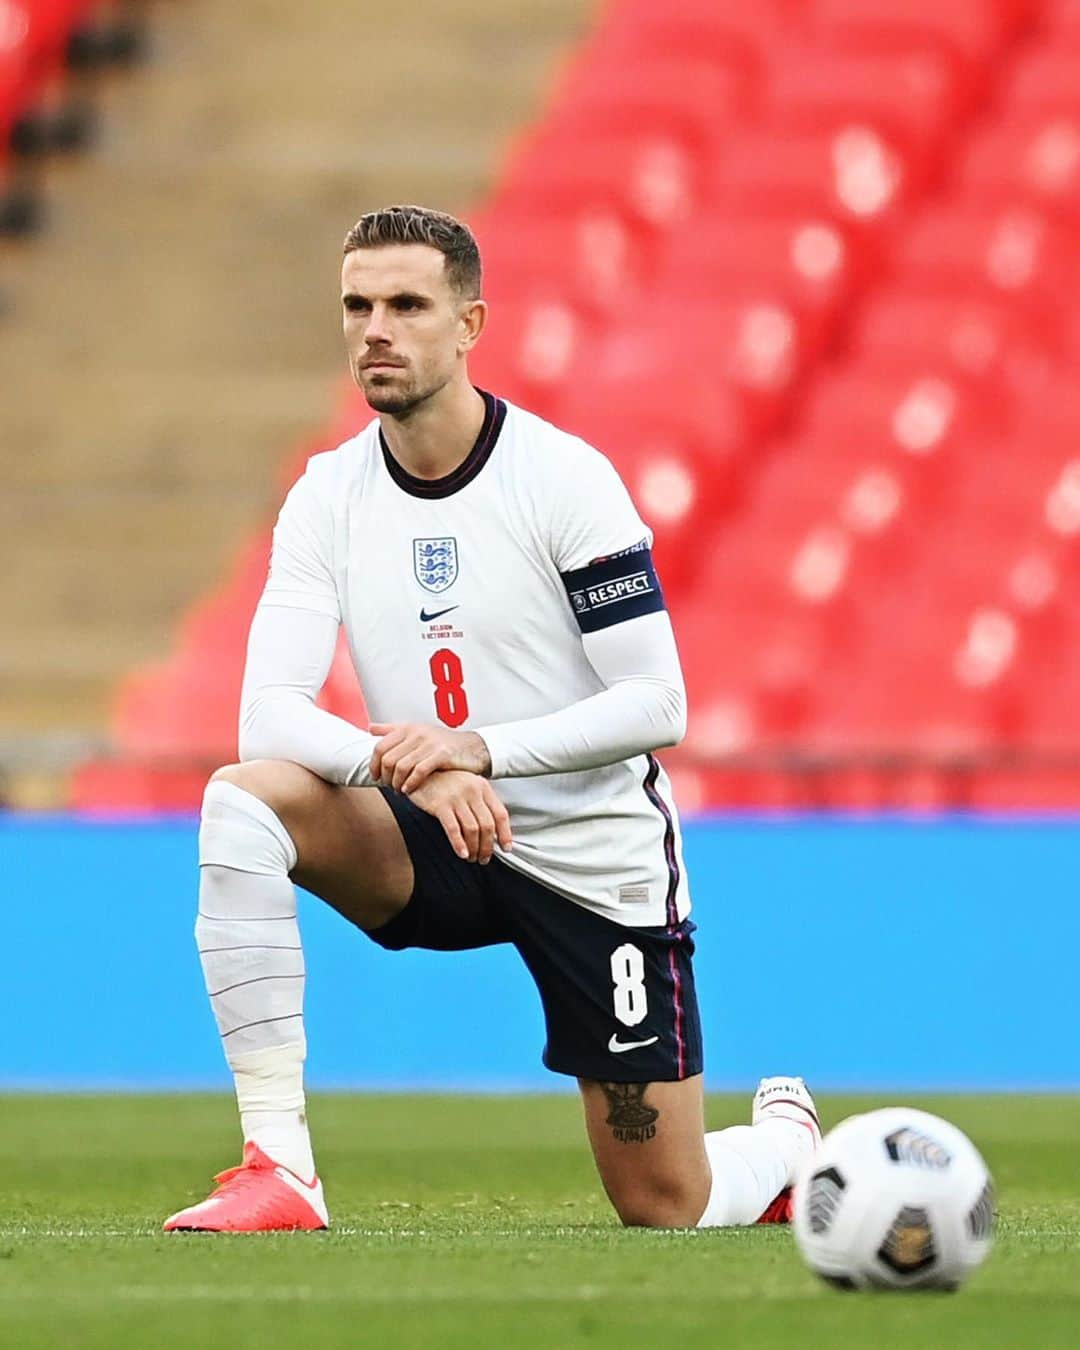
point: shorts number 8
(628, 975)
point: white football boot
(785, 1099)
(788, 1099)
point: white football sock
(751, 1165)
(253, 963)
(270, 1094)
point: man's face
(405, 326)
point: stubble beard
(387, 401)
(396, 402)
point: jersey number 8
(451, 705)
(628, 977)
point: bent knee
(279, 783)
(659, 1206)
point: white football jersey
(464, 601)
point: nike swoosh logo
(425, 617)
(308, 1191)
(291, 1179)
(617, 1047)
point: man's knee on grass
(651, 1180)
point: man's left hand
(408, 753)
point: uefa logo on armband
(435, 562)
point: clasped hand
(443, 771)
(408, 753)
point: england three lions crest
(435, 562)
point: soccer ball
(895, 1199)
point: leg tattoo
(631, 1121)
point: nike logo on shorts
(425, 617)
(617, 1047)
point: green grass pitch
(466, 1221)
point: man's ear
(473, 320)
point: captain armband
(613, 589)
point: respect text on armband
(608, 592)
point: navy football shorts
(619, 1003)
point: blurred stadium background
(807, 270)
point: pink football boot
(259, 1196)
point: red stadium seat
(1050, 714)
(919, 422)
(1054, 421)
(896, 703)
(215, 628)
(694, 95)
(694, 105)
(910, 97)
(15, 68)
(806, 491)
(617, 404)
(749, 675)
(971, 32)
(1034, 162)
(979, 339)
(1051, 717)
(1009, 488)
(1046, 82)
(808, 262)
(732, 87)
(706, 351)
(648, 181)
(1029, 784)
(590, 256)
(683, 477)
(993, 548)
(953, 620)
(51, 25)
(531, 349)
(681, 491)
(145, 723)
(1035, 584)
(1050, 432)
(852, 176)
(1063, 325)
(123, 787)
(957, 573)
(1016, 254)
(743, 34)
(1060, 21)
(809, 570)
(184, 710)
(1061, 508)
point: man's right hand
(468, 809)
